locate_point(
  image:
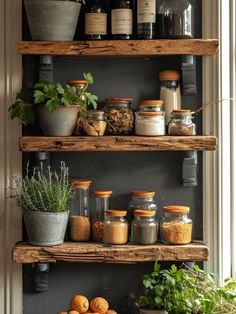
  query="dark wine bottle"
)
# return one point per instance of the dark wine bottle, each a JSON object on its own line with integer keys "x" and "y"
{"x": 95, "y": 20}
{"x": 146, "y": 19}
{"x": 121, "y": 19}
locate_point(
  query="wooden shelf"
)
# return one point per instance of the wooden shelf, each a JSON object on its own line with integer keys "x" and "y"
{"x": 117, "y": 143}
{"x": 121, "y": 48}
{"x": 24, "y": 253}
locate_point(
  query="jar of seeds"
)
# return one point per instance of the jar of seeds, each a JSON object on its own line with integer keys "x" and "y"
{"x": 181, "y": 123}
{"x": 144, "y": 227}
{"x": 101, "y": 203}
{"x": 94, "y": 124}
{"x": 119, "y": 116}
{"x": 115, "y": 227}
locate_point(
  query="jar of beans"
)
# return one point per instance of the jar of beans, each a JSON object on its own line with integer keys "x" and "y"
{"x": 176, "y": 226}
{"x": 181, "y": 123}
{"x": 115, "y": 227}
{"x": 101, "y": 203}
{"x": 119, "y": 116}
{"x": 144, "y": 227}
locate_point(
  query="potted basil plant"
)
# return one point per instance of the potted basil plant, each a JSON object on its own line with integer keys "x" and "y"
{"x": 45, "y": 199}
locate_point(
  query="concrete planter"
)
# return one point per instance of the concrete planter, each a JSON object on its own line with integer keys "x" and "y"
{"x": 45, "y": 229}
{"x": 52, "y": 20}
{"x": 147, "y": 311}
{"x": 58, "y": 123}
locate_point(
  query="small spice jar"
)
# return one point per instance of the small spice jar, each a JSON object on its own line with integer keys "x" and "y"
{"x": 150, "y": 105}
{"x": 119, "y": 116}
{"x": 181, "y": 123}
{"x": 101, "y": 203}
{"x": 95, "y": 124}
{"x": 78, "y": 85}
{"x": 150, "y": 123}
{"x": 79, "y": 214}
{"x": 115, "y": 227}
{"x": 176, "y": 226}
{"x": 144, "y": 227}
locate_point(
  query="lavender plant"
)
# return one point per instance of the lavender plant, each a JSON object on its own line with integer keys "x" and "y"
{"x": 45, "y": 190}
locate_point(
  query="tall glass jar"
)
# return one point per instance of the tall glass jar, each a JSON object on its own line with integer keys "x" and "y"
{"x": 181, "y": 123}
{"x": 150, "y": 123}
{"x": 80, "y": 211}
{"x": 122, "y": 19}
{"x": 176, "y": 226}
{"x": 146, "y": 19}
{"x": 95, "y": 20}
{"x": 150, "y": 105}
{"x": 115, "y": 227}
{"x": 119, "y": 116}
{"x": 144, "y": 227}
{"x": 175, "y": 19}
{"x": 170, "y": 92}
{"x": 101, "y": 203}
{"x": 95, "y": 124}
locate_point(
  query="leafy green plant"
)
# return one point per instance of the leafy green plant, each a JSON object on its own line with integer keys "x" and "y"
{"x": 187, "y": 291}
{"x": 45, "y": 190}
{"x": 52, "y": 96}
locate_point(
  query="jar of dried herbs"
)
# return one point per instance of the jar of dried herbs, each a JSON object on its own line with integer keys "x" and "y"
{"x": 119, "y": 116}
{"x": 100, "y": 204}
{"x": 94, "y": 124}
{"x": 181, "y": 123}
{"x": 144, "y": 227}
{"x": 80, "y": 213}
{"x": 115, "y": 227}
{"x": 176, "y": 226}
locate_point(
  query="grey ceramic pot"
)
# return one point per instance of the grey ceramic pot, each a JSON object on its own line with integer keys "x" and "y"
{"x": 52, "y": 20}
{"x": 146, "y": 311}
{"x": 58, "y": 123}
{"x": 45, "y": 229}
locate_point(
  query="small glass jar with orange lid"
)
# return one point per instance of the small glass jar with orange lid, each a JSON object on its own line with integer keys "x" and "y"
{"x": 80, "y": 211}
{"x": 115, "y": 227}
{"x": 150, "y": 123}
{"x": 181, "y": 123}
{"x": 150, "y": 105}
{"x": 100, "y": 204}
{"x": 78, "y": 86}
{"x": 144, "y": 228}
{"x": 176, "y": 226}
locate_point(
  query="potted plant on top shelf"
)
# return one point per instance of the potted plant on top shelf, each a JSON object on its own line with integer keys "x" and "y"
{"x": 57, "y": 108}
{"x": 52, "y": 20}
{"x": 45, "y": 199}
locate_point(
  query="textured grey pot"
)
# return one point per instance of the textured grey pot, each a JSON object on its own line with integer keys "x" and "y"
{"x": 52, "y": 20}
{"x": 58, "y": 123}
{"x": 146, "y": 311}
{"x": 45, "y": 229}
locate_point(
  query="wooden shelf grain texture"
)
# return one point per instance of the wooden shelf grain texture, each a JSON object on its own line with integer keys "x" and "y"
{"x": 121, "y": 48}
{"x": 117, "y": 143}
{"x": 24, "y": 253}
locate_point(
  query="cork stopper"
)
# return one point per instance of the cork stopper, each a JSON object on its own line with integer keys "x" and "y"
{"x": 169, "y": 75}
{"x": 176, "y": 209}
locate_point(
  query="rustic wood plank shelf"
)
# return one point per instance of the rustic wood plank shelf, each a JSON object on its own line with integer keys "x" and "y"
{"x": 24, "y": 253}
{"x": 121, "y": 48}
{"x": 117, "y": 143}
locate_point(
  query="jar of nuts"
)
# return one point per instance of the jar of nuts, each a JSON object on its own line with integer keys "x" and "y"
{"x": 94, "y": 124}
{"x": 181, "y": 123}
{"x": 119, "y": 116}
{"x": 176, "y": 226}
{"x": 101, "y": 203}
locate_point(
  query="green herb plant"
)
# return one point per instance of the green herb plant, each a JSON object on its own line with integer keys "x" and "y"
{"x": 45, "y": 190}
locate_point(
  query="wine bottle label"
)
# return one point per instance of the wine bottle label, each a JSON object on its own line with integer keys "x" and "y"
{"x": 146, "y": 11}
{"x": 121, "y": 21}
{"x": 95, "y": 23}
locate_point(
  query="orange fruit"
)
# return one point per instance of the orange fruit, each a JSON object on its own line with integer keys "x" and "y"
{"x": 111, "y": 312}
{"x": 79, "y": 303}
{"x": 99, "y": 305}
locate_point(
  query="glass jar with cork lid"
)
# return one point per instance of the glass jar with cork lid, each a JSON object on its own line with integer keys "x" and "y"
{"x": 144, "y": 228}
{"x": 176, "y": 226}
{"x": 115, "y": 227}
{"x": 94, "y": 124}
{"x": 101, "y": 203}
{"x": 181, "y": 123}
{"x": 80, "y": 211}
{"x": 150, "y": 123}
{"x": 150, "y": 105}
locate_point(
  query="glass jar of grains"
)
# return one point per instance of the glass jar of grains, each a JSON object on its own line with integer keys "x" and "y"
{"x": 115, "y": 227}
{"x": 150, "y": 123}
{"x": 94, "y": 124}
{"x": 119, "y": 116}
{"x": 176, "y": 226}
{"x": 144, "y": 227}
{"x": 101, "y": 203}
{"x": 150, "y": 105}
{"x": 79, "y": 214}
{"x": 181, "y": 123}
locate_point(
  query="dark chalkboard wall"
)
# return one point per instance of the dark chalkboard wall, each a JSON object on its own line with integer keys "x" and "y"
{"x": 121, "y": 172}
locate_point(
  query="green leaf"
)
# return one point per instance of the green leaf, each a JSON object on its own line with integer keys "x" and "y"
{"x": 156, "y": 267}
{"x": 60, "y": 89}
{"x": 89, "y": 78}
{"x": 39, "y": 97}
{"x": 52, "y": 105}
